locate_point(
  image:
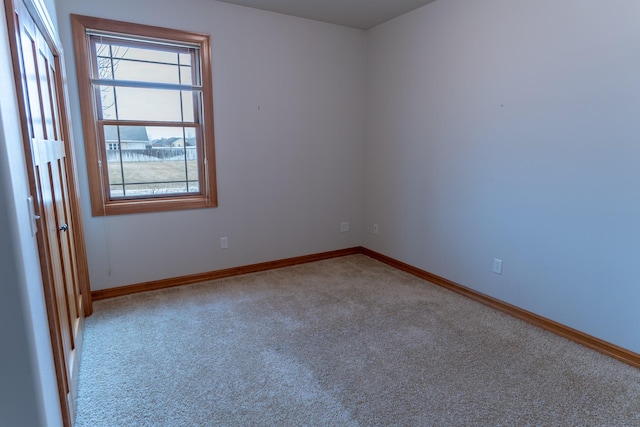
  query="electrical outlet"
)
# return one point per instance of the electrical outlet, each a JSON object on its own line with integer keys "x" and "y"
{"x": 224, "y": 242}
{"x": 497, "y": 266}
{"x": 376, "y": 229}
{"x": 344, "y": 227}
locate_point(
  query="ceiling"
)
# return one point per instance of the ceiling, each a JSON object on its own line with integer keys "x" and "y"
{"x": 363, "y": 14}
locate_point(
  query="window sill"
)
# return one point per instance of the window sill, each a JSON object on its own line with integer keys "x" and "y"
{"x": 128, "y": 206}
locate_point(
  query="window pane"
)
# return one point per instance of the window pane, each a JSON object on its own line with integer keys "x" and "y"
{"x": 152, "y": 72}
{"x": 152, "y": 54}
{"x": 143, "y": 51}
{"x": 104, "y": 63}
{"x": 107, "y": 101}
{"x": 151, "y": 161}
{"x": 185, "y": 75}
{"x": 187, "y": 107}
{"x": 154, "y": 65}
{"x": 147, "y": 104}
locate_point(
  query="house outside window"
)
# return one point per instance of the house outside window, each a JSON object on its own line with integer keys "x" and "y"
{"x": 146, "y": 98}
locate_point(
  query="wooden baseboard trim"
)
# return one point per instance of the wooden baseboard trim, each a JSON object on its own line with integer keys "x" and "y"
{"x": 218, "y": 274}
{"x": 592, "y": 342}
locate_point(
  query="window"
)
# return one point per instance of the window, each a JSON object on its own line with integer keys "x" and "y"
{"x": 147, "y": 112}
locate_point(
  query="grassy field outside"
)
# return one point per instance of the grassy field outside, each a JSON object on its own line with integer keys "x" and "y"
{"x": 153, "y": 177}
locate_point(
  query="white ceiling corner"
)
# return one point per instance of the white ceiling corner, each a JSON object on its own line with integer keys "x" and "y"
{"x": 362, "y": 14}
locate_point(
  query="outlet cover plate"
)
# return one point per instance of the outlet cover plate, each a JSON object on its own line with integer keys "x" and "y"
{"x": 497, "y": 265}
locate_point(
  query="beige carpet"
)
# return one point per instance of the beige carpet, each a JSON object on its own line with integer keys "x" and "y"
{"x": 341, "y": 342}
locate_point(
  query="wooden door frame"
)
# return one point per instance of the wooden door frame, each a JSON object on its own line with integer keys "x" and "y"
{"x": 39, "y": 14}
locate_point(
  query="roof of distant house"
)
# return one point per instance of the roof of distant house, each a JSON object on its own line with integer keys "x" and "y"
{"x": 127, "y": 133}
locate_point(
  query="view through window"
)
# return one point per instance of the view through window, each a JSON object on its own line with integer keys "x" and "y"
{"x": 151, "y": 84}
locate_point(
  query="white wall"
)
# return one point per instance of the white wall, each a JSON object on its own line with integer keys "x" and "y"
{"x": 289, "y": 113}
{"x": 28, "y": 388}
{"x": 510, "y": 129}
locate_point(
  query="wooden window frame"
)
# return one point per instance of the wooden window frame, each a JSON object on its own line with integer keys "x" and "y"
{"x": 102, "y": 204}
